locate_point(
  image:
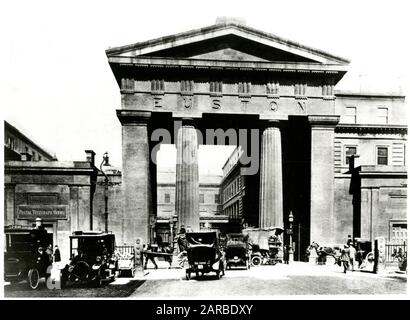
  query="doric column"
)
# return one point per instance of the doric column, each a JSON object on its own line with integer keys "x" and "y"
{"x": 187, "y": 181}
{"x": 271, "y": 197}
{"x": 322, "y": 179}
{"x": 137, "y": 207}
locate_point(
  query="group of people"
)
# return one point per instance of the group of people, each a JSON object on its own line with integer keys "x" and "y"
{"x": 47, "y": 256}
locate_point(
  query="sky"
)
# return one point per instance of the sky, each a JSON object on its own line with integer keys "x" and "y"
{"x": 56, "y": 85}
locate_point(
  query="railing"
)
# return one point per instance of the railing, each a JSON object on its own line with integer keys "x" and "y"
{"x": 392, "y": 250}
{"x": 125, "y": 249}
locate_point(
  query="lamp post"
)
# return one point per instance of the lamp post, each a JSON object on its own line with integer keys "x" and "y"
{"x": 290, "y": 237}
{"x": 106, "y": 183}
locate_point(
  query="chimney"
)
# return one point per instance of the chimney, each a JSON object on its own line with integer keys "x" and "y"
{"x": 25, "y": 156}
{"x": 90, "y": 156}
{"x": 227, "y": 20}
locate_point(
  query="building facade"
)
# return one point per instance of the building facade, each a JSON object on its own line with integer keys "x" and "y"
{"x": 18, "y": 146}
{"x": 210, "y": 213}
{"x": 232, "y": 77}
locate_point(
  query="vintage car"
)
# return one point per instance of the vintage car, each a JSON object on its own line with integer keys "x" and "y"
{"x": 267, "y": 245}
{"x": 237, "y": 252}
{"x": 22, "y": 258}
{"x": 204, "y": 254}
{"x": 93, "y": 261}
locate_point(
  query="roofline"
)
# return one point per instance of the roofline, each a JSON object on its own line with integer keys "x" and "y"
{"x": 387, "y": 95}
{"x": 221, "y": 26}
{"x": 7, "y": 125}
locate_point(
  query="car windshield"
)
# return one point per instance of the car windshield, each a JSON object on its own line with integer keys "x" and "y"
{"x": 20, "y": 242}
{"x": 207, "y": 238}
{"x": 92, "y": 246}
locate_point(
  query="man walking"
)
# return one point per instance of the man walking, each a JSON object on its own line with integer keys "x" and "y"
{"x": 352, "y": 255}
{"x": 345, "y": 258}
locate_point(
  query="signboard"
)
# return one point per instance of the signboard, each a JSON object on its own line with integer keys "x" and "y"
{"x": 45, "y": 212}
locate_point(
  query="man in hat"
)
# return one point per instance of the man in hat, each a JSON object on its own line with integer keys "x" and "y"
{"x": 345, "y": 258}
{"x": 182, "y": 245}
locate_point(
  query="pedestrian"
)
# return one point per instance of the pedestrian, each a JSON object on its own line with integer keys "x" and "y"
{"x": 286, "y": 254}
{"x": 57, "y": 255}
{"x": 49, "y": 252}
{"x": 349, "y": 240}
{"x": 150, "y": 256}
{"x": 352, "y": 255}
{"x": 182, "y": 245}
{"x": 345, "y": 258}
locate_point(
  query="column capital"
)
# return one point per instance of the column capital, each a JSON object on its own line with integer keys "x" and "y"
{"x": 272, "y": 123}
{"x": 133, "y": 117}
{"x": 329, "y": 121}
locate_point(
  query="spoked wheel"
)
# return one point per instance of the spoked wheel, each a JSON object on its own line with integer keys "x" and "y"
{"x": 188, "y": 275}
{"x": 256, "y": 261}
{"x": 33, "y": 278}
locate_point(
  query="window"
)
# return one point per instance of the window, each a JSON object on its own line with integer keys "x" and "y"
{"x": 167, "y": 198}
{"x": 34, "y": 156}
{"x": 382, "y": 115}
{"x": 350, "y": 115}
{"x": 398, "y": 233}
{"x": 201, "y": 198}
{"x": 349, "y": 151}
{"x": 40, "y": 158}
{"x": 216, "y": 198}
{"x": 382, "y": 155}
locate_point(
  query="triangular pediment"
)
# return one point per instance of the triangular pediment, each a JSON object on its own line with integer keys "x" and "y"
{"x": 227, "y": 42}
{"x": 229, "y": 54}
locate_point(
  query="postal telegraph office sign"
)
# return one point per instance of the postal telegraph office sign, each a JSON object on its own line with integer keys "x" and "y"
{"x": 45, "y": 212}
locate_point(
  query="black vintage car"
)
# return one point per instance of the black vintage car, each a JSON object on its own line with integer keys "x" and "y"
{"x": 93, "y": 261}
{"x": 25, "y": 257}
{"x": 204, "y": 254}
{"x": 237, "y": 250}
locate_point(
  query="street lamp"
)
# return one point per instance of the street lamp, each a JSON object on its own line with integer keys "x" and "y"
{"x": 106, "y": 183}
{"x": 290, "y": 236}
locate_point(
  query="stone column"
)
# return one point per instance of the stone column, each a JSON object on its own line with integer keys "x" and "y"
{"x": 137, "y": 207}
{"x": 187, "y": 181}
{"x": 271, "y": 197}
{"x": 322, "y": 179}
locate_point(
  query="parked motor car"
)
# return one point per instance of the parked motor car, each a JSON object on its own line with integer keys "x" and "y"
{"x": 204, "y": 254}
{"x": 93, "y": 261}
{"x": 25, "y": 256}
{"x": 237, "y": 250}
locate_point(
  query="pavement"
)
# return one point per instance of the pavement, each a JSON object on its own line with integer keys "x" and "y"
{"x": 295, "y": 279}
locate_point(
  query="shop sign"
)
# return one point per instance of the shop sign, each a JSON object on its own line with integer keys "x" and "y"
{"x": 45, "y": 212}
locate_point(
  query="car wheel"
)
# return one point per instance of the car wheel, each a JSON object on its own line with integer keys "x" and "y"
{"x": 132, "y": 273}
{"x": 33, "y": 278}
{"x": 256, "y": 261}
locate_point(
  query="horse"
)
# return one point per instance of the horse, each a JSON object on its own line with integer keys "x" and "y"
{"x": 322, "y": 252}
